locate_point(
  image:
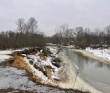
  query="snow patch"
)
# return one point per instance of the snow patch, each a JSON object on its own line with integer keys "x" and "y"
{"x": 11, "y": 77}
{"x": 102, "y": 53}
{"x": 42, "y": 64}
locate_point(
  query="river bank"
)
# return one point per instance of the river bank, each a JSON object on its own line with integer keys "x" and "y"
{"x": 91, "y": 71}
{"x": 74, "y": 81}
{"x": 66, "y": 74}
{"x": 41, "y": 80}
{"x": 89, "y": 54}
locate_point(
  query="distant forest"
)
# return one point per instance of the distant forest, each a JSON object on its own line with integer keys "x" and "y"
{"x": 26, "y": 35}
{"x": 81, "y": 37}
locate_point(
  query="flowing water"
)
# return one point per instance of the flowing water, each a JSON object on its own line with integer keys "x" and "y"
{"x": 90, "y": 70}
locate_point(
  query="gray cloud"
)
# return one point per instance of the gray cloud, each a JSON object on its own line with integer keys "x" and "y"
{"x": 50, "y": 13}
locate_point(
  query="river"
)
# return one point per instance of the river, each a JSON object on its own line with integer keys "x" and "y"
{"x": 92, "y": 71}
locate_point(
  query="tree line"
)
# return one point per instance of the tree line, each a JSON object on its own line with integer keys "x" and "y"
{"x": 81, "y": 37}
{"x": 27, "y": 34}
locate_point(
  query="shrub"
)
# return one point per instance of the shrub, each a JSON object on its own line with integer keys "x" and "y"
{"x": 46, "y": 52}
{"x": 56, "y": 62}
{"x": 31, "y": 62}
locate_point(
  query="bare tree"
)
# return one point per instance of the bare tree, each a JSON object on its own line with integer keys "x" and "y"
{"x": 107, "y": 31}
{"x": 60, "y": 32}
{"x": 32, "y": 25}
{"x": 20, "y": 24}
{"x": 21, "y": 39}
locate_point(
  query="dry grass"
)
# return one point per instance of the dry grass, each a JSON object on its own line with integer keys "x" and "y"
{"x": 20, "y": 63}
{"x": 42, "y": 56}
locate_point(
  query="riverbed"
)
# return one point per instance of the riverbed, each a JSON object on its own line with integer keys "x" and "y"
{"x": 92, "y": 75}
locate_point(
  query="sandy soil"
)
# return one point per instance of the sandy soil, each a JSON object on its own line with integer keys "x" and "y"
{"x": 88, "y": 54}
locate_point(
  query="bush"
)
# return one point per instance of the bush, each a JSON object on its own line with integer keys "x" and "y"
{"x": 32, "y": 50}
{"x": 56, "y": 62}
{"x": 46, "y": 52}
{"x": 31, "y": 62}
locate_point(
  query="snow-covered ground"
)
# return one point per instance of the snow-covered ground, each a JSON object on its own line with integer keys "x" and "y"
{"x": 101, "y": 53}
{"x": 37, "y": 62}
{"x": 4, "y": 55}
{"x": 53, "y": 49}
{"x": 5, "y": 52}
{"x": 14, "y": 78}
{"x": 11, "y": 77}
{"x": 42, "y": 64}
{"x": 36, "y": 59}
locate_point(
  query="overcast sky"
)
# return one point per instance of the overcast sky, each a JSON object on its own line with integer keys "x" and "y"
{"x": 51, "y": 13}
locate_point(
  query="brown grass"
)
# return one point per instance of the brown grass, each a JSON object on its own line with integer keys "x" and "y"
{"x": 42, "y": 56}
{"x": 20, "y": 63}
